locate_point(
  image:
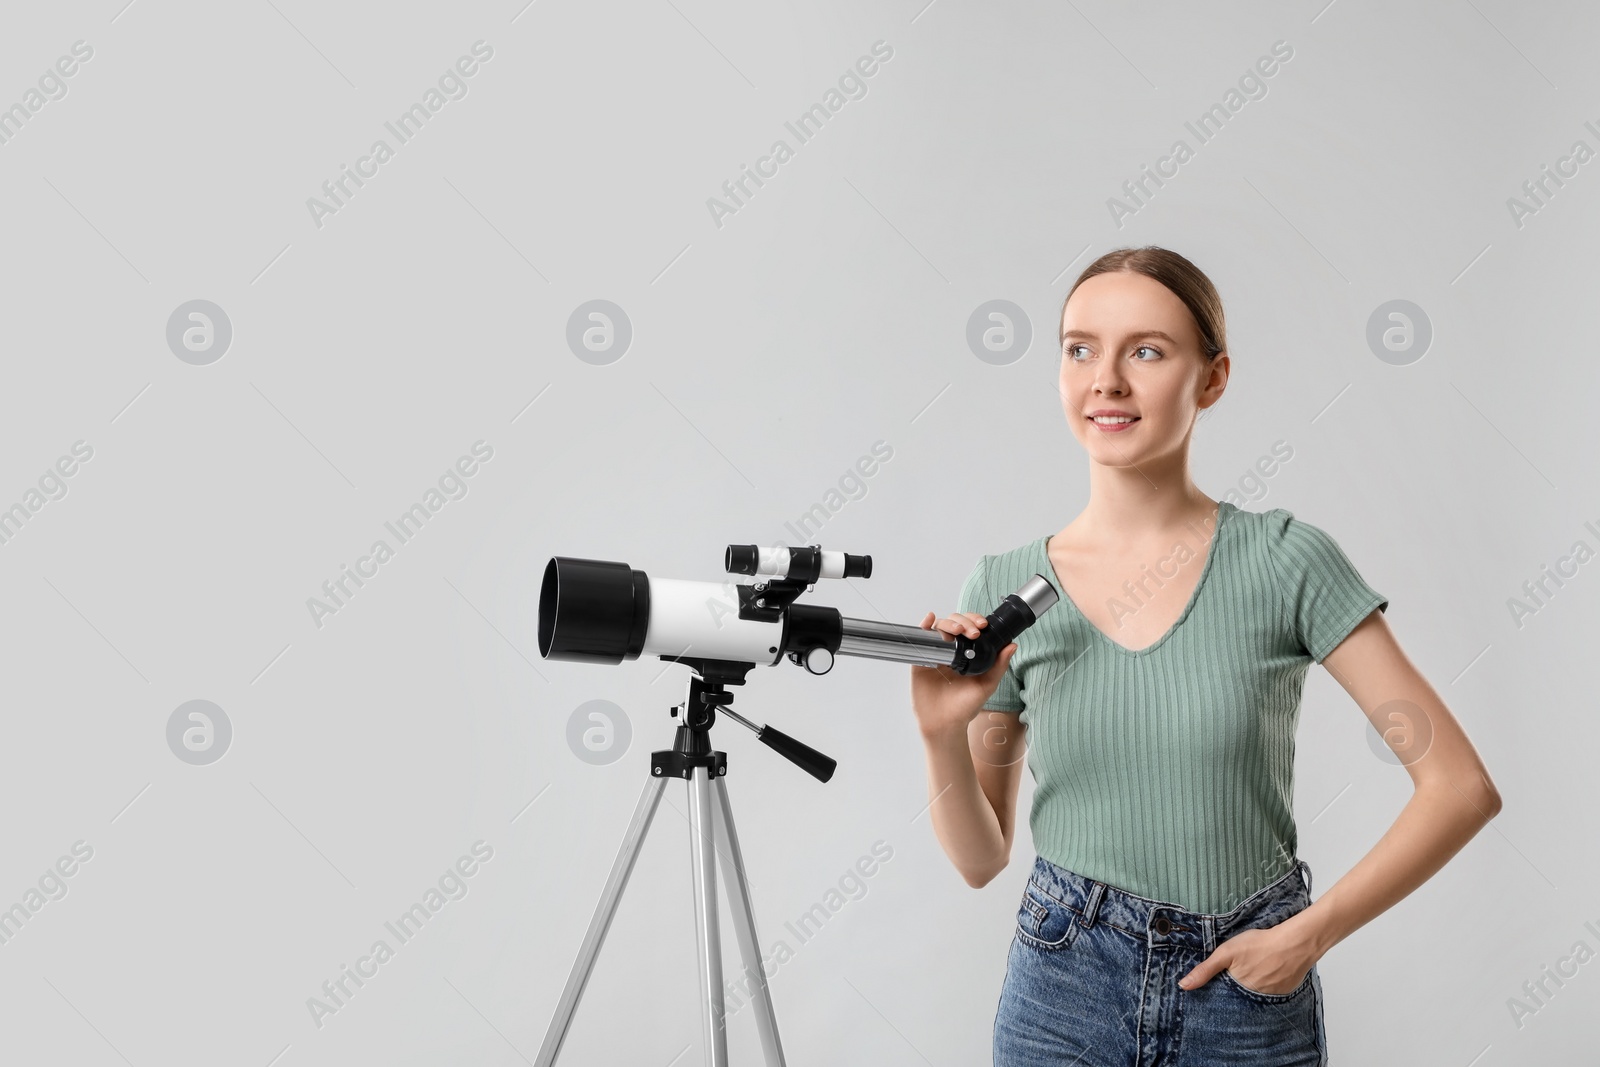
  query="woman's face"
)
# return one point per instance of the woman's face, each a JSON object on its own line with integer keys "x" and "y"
{"x": 1131, "y": 346}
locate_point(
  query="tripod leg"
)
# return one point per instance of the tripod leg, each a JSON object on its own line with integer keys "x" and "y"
{"x": 744, "y": 923}
{"x": 603, "y": 914}
{"x": 703, "y": 858}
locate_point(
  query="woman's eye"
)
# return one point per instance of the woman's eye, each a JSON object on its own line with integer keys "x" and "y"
{"x": 1071, "y": 352}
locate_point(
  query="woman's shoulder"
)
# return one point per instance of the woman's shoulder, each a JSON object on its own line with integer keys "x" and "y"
{"x": 1278, "y": 530}
{"x": 1017, "y": 561}
{"x": 1269, "y": 519}
{"x": 1293, "y": 550}
{"x": 994, "y": 574}
{"x": 1269, "y": 530}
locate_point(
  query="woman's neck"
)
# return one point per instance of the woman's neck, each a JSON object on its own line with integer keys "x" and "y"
{"x": 1130, "y": 505}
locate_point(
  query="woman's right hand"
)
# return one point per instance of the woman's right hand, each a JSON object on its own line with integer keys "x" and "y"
{"x": 944, "y": 700}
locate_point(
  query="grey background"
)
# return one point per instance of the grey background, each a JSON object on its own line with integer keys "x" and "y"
{"x": 768, "y": 355}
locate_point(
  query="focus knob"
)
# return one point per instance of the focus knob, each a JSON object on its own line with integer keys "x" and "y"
{"x": 819, "y": 660}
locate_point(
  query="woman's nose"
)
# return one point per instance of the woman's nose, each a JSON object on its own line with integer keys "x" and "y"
{"x": 1108, "y": 382}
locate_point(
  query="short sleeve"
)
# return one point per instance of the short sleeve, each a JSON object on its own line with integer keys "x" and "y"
{"x": 976, "y": 597}
{"x": 1322, "y": 594}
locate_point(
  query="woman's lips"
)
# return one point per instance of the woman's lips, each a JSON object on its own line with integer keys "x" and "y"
{"x": 1113, "y": 427}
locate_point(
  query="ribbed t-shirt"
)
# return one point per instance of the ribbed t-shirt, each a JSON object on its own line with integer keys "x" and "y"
{"x": 1168, "y": 771}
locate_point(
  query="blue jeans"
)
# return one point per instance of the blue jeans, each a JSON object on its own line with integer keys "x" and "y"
{"x": 1092, "y": 981}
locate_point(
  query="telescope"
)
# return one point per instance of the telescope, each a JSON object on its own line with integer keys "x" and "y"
{"x": 603, "y": 612}
{"x": 599, "y": 611}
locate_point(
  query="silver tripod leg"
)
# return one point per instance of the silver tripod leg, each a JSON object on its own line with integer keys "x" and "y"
{"x": 703, "y": 860}
{"x": 711, "y": 832}
{"x": 744, "y": 923}
{"x": 603, "y": 914}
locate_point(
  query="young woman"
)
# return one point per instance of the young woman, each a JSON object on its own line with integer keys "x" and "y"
{"x": 1167, "y": 918}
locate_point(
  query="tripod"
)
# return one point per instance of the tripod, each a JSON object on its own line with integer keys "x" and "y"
{"x": 711, "y": 834}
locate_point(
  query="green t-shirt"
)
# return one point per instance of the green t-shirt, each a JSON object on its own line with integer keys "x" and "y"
{"x": 1168, "y": 771}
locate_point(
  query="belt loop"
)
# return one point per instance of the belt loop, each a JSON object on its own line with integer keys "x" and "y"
{"x": 1208, "y": 934}
{"x": 1097, "y": 892}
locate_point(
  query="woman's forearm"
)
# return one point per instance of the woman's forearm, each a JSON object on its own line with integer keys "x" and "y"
{"x": 1435, "y": 824}
{"x": 963, "y": 819}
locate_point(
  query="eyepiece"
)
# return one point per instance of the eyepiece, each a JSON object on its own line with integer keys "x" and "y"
{"x": 857, "y": 566}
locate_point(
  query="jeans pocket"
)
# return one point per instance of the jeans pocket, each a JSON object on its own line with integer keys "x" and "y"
{"x": 1269, "y": 998}
{"x": 1271, "y": 913}
{"x": 1044, "y": 922}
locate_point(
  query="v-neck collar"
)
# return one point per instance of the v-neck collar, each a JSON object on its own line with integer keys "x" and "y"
{"x": 1049, "y": 571}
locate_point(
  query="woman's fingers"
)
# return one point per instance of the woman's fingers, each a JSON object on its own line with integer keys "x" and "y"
{"x": 930, "y": 621}
{"x": 960, "y": 622}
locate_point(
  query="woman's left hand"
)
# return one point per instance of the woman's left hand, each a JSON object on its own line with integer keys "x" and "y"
{"x": 1272, "y": 961}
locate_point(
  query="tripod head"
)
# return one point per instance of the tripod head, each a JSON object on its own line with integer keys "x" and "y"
{"x": 708, "y": 694}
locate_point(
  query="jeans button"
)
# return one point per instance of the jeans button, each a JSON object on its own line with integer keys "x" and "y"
{"x": 1162, "y": 925}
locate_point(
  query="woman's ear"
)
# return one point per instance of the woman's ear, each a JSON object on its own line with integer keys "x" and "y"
{"x": 1216, "y": 381}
